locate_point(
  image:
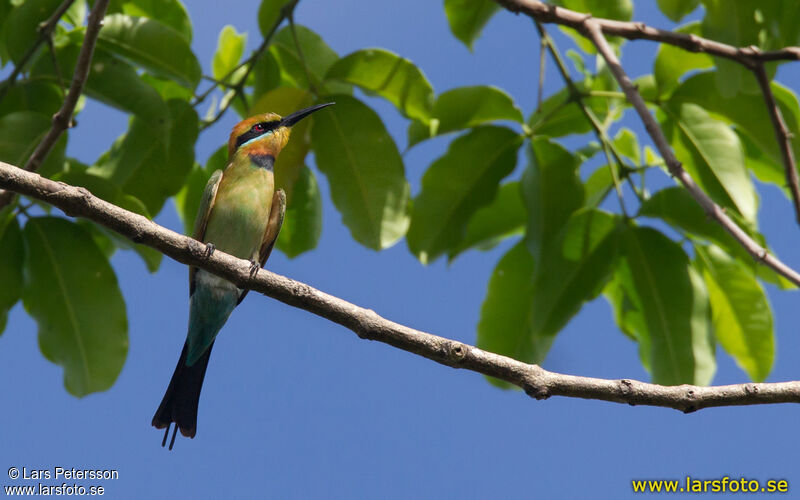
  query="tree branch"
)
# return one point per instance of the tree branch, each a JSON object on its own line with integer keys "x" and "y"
{"x": 537, "y": 382}
{"x": 751, "y": 57}
{"x": 593, "y": 30}
{"x": 748, "y": 56}
{"x": 250, "y": 62}
{"x": 45, "y": 34}
{"x": 63, "y": 118}
{"x": 599, "y": 130}
{"x": 782, "y": 134}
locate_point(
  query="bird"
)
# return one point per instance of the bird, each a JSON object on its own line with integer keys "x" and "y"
{"x": 241, "y": 214}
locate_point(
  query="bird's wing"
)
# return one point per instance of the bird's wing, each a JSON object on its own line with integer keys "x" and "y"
{"x": 203, "y": 214}
{"x": 276, "y": 213}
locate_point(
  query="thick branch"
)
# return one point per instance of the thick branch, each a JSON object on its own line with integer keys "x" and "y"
{"x": 782, "y": 134}
{"x": 63, "y": 118}
{"x": 536, "y": 382}
{"x": 548, "y": 13}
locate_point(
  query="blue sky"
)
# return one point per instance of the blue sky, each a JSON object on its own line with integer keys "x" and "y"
{"x": 296, "y": 407}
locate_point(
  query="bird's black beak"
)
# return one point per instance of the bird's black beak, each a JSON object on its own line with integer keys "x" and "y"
{"x": 288, "y": 121}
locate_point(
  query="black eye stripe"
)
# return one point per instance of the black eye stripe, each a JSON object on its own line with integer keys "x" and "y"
{"x": 253, "y": 133}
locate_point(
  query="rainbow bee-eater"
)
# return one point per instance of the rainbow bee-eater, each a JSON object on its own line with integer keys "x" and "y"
{"x": 240, "y": 213}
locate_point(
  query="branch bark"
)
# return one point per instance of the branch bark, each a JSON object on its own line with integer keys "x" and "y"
{"x": 549, "y": 13}
{"x": 782, "y": 134}
{"x": 537, "y": 382}
{"x": 63, "y": 117}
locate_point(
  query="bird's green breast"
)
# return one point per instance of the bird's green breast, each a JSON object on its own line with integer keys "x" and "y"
{"x": 241, "y": 209}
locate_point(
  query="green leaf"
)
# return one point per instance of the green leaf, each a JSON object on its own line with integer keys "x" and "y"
{"x": 597, "y": 186}
{"x": 167, "y": 89}
{"x": 150, "y": 166}
{"x": 748, "y": 113}
{"x": 21, "y": 132}
{"x": 761, "y": 164}
{"x": 677, "y": 9}
{"x": 676, "y": 206}
{"x": 737, "y": 24}
{"x": 503, "y": 217}
{"x": 269, "y": 13}
{"x": 468, "y": 17}
{"x": 456, "y": 185}
{"x": 72, "y": 293}
{"x": 674, "y": 303}
{"x": 12, "y": 256}
{"x": 552, "y": 192}
{"x": 364, "y": 170}
{"x": 266, "y": 74}
{"x": 713, "y": 156}
{"x": 76, "y": 13}
{"x": 169, "y": 12}
{"x": 628, "y": 312}
{"x": 317, "y": 58}
{"x": 462, "y": 108}
{"x": 673, "y": 62}
{"x": 506, "y": 313}
{"x": 390, "y": 76}
{"x": 230, "y": 47}
{"x": 626, "y": 143}
{"x": 739, "y": 310}
{"x": 302, "y": 226}
{"x": 38, "y": 96}
{"x": 104, "y": 189}
{"x": 20, "y": 26}
{"x": 560, "y": 114}
{"x": 575, "y": 267}
{"x": 152, "y": 45}
{"x": 111, "y": 81}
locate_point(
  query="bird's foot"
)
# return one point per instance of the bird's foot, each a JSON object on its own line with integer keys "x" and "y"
{"x": 210, "y": 250}
{"x": 254, "y": 267}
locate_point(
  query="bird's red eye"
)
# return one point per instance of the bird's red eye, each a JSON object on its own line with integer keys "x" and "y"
{"x": 258, "y": 127}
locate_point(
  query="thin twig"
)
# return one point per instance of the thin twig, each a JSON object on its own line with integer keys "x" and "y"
{"x": 249, "y": 63}
{"x": 45, "y": 33}
{"x": 542, "y": 66}
{"x": 593, "y": 30}
{"x": 599, "y": 129}
{"x": 537, "y": 382}
{"x": 57, "y": 67}
{"x": 63, "y": 117}
{"x": 548, "y": 13}
{"x": 302, "y": 57}
{"x": 782, "y": 134}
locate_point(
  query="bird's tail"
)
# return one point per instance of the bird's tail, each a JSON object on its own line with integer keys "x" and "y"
{"x": 179, "y": 404}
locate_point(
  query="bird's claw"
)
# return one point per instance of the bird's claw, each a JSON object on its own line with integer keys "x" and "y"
{"x": 254, "y": 267}
{"x": 210, "y": 250}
